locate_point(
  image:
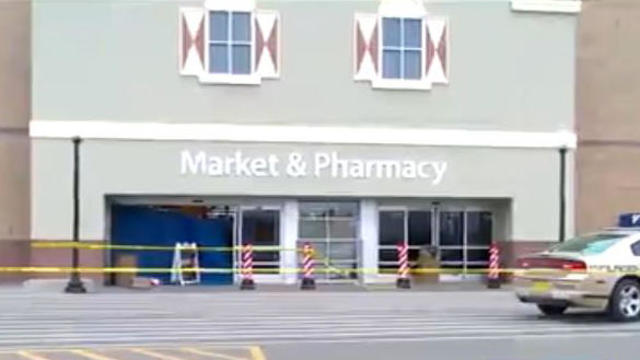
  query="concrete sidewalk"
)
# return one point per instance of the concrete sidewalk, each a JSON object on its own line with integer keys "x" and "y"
{"x": 57, "y": 285}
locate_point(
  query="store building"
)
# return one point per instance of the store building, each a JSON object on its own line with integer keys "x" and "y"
{"x": 608, "y": 86}
{"x": 14, "y": 135}
{"x": 352, "y": 125}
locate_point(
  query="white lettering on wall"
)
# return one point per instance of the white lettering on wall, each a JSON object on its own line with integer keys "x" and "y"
{"x": 322, "y": 162}
{"x": 328, "y": 164}
{"x": 191, "y": 164}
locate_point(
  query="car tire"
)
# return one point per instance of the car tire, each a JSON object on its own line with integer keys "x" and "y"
{"x": 624, "y": 304}
{"x": 552, "y": 310}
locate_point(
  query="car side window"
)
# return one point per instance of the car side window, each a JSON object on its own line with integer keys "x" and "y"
{"x": 635, "y": 248}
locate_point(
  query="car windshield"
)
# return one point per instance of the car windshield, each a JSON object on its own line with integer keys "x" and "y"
{"x": 589, "y": 244}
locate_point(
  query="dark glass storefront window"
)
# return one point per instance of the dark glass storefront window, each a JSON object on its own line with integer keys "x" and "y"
{"x": 451, "y": 228}
{"x": 478, "y": 228}
{"x": 391, "y": 232}
{"x": 262, "y": 228}
{"x": 463, "y": 237}
{"x": 419, "y": 228}
{"x": 399, "y": 226}
{"x": 391, "y": 225}
{"x": 449, "y": 255}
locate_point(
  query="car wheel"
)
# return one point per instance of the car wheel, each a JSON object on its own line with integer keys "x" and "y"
{"x": 624, "y": 304}
{"x": 552, "y": 309}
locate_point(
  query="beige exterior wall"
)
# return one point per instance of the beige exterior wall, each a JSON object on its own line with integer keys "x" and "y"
{"x": 608, "y": 112}
{"x": 15, "y": 60}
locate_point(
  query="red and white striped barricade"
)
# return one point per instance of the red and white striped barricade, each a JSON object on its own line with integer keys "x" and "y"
{"x": 308, "y": 282}
{"x": 493, "y": 275}
{"x": 403, "y": 281}
{"x": 247, "y": 268}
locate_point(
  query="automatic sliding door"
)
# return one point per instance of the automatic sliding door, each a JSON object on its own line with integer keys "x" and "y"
{"x": 331, "y": 228}
{"x": 409, "y": 227}
{"x": 451, "y": 233}
{"x": 419, "y": 232}
{"x": 479, "y": 235}
{"x": 464, "y": 239}
{"x": 261, "y": 228}
{"x": 391, "y": 225}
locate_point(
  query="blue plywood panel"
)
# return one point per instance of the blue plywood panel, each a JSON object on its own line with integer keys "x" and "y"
{"x": 145, "y": 226}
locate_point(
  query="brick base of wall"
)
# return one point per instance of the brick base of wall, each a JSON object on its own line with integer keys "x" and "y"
{"x": 14, "y": 253}
{"x": 47, "y": 257}
{"x": 511, "y": 250}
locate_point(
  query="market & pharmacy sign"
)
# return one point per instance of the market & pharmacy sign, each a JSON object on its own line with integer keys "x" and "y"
{"x": 319, "y": 164}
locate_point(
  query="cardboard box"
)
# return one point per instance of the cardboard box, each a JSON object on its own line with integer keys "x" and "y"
{"x": 125, "y": 279}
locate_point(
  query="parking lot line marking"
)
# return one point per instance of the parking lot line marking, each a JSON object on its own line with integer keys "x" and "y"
{"x": 153, "y": 354}
{"x": 31, "y": 356}
{"x": 90, "y": 355}
{"x": 256, "y": 353}
{"x": 212, "y": 354}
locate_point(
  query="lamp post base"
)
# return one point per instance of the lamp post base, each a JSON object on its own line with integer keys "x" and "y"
{"x": 308, "y": 284}
{"x": 403, "y": 283}
{"x": 75, "y": 286}
{"x": 247, "y": 284}
{"x": 493, "y": 284}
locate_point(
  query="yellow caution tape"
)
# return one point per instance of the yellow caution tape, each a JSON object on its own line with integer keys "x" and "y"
{"x": 328, "y": 270}
{"x": 93, "y": 246}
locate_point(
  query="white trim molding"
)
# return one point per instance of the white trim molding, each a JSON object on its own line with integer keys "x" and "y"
{"x": 402, "y": 8}
{"x": 113, "y": 130}
{"x": 230, "y": 5}
{"x": 551, "y": 6}
{"x": 400, "y": 84}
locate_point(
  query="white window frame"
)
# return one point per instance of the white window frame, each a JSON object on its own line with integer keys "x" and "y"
{"x": 404, "y": 84}
{"x": 404, "y": 9}
{"x": 230, "y": 6}
{"x": 402, "y": 48}
{"x": 230, "y": 43}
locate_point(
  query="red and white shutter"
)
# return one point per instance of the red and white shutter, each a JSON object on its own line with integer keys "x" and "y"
{"x": 437, "y": 50}
{"x": 366, "y": 64}
{"x": 191, "y": 41}
{"x": 267, "y": 44}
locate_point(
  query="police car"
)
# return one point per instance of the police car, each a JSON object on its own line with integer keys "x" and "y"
{"x": 599, "y": 270}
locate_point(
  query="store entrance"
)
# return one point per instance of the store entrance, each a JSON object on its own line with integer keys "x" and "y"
{"x": 144, "y": 237}
{"x": 460, "y": 238}
{"x": 260, "y": 227}
{"x": 464, "y": 238}
{"x": 332, "y": 229}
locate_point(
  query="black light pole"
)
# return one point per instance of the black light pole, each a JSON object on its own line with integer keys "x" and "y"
{"x": 563, "y": 160}
{"x": 75, "y": 285}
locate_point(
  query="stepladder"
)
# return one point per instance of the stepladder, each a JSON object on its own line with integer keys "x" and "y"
{"x": 186, "y": 266}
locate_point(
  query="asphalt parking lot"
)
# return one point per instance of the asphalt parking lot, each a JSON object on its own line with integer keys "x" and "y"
{"x": 292, "y": 325}
{"x": 139, "y": 353}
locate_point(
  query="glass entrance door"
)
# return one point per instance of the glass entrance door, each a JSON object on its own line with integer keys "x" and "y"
{"x": 464, "y": 238}
{"x": 332, "y": 229}
{"x": 479, "y": 232}
{"x": 261, "y": 228}
{"x": 451, "y": 239}
{"x": 408, "y": 226}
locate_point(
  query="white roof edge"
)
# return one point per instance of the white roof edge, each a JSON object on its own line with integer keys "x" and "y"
{"x": 550, "y": 6}
{"x": 300, "y": 134}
